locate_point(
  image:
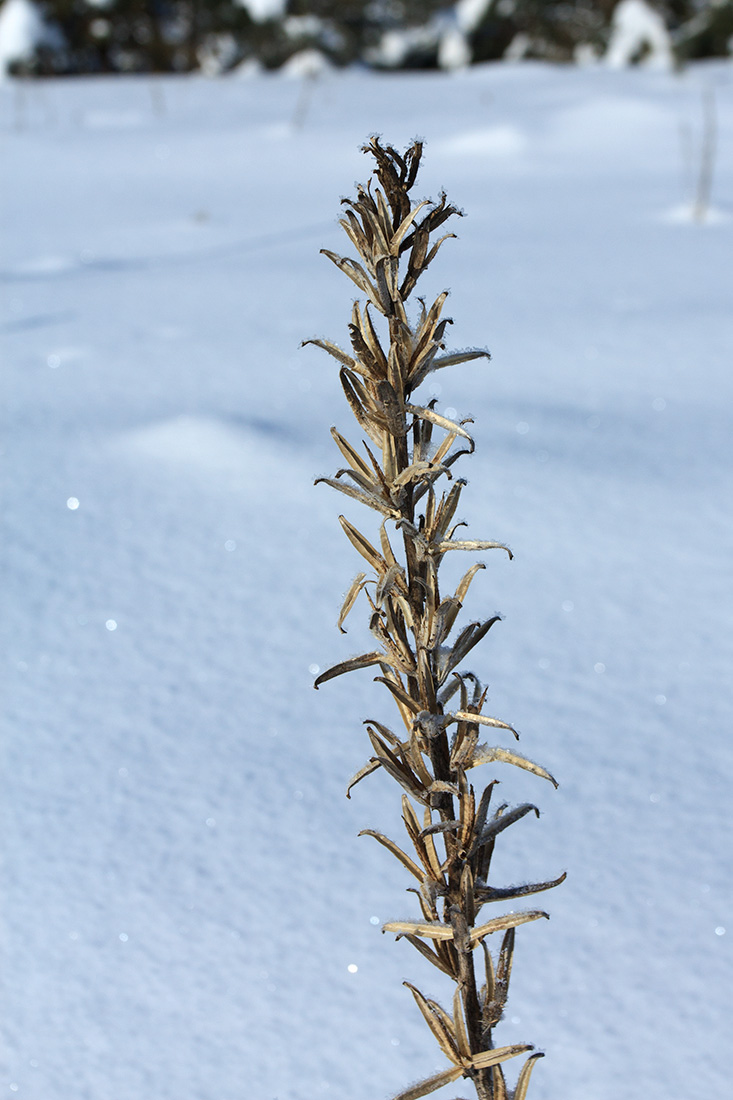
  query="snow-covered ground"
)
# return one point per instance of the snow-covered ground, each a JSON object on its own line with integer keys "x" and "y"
{"x": 188, "y": 914}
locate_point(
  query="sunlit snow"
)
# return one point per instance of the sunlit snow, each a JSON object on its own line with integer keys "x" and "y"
{"x": 184, "y": 891}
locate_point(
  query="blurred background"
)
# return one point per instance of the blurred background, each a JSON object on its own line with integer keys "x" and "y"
{"x": 47, "y": 37}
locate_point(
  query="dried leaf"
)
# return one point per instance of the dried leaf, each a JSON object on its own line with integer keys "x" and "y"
{"x": 469, "y": 637}
{"x": 461, "y": 357}
{"x": 440, "y": 786}
{"x": 483, "y": 719}
{"x": 490, "y": 974}
{"x": 434, "y": 250}
{"x": 440, "y": 421}
{"x": 443, "y": 449}
{"x": 468, "y": 544}
{"x": 430, "y": 1084}
{"x": 400, "y": 694}
{"x": 399, "y": 854}
{"x": 365, "y": 422}
{"x": 370, "y": 335}
{"x": 363, "y": 545}
{"x": 503, "y": 821}
{"x": 431, "y": 956}
{"x": 511, "y": 920}
{"x": 468, "y": 894}
{"x": 463, "y": 587}
{"x": 387, "y": 582}
{"x": 354, "y": 232}
{"x": 356, "y": 273}
{"x": 431, "y": 860}
{"x": 500, "y": 1054}
{"x": 387, "y": 550}
{"x": 510, "y": 892}
{"x": 385, "y": 732}
{"x": 506, "y": 958}
{"x": 391, "y": 408}
{"x": 410, "y": 818}
{"x": 483, "y": 808}
{"x": 443, "y": 620}
{"x": 448, "y": 509}
{"x": 497, "y": 1079}
{"x": 364, "y": 363}
{"x": 419, "y": 470}
{"x": 520, "y": 1090}
{"x": 396, "y": 768}
{"x": 332, "y": 349}
{"x": 351, "y": 665}
{"x": 483, "y": 754}
{"x": 385, "y": 286}
{"x": 355, "y": 588}
{"x": 459, "y": 1027}
{"x": 404, "y": 228}
{"x": 362, "y": 774}
{"x": 368, "y": 499}
{"x": 436, "y": 1024}
{"x": 441, "y": 827}
{"x": 350, "y": 454}
{"x": 431, "y": 931}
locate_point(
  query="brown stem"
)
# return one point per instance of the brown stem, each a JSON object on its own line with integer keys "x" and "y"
{"x": 469, "y": 995}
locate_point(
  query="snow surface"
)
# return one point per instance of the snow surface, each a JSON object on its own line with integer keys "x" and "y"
{"x": 188, "y": 913}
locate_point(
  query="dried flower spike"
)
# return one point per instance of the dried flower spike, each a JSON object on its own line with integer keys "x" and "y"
{"x": 407, "y": 449}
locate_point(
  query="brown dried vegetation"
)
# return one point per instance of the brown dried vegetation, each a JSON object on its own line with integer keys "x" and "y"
{"x": 453, "y": 838}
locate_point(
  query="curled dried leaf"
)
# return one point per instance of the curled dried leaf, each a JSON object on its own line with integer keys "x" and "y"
{"x": 351, "y": 665}
{"x": 440, "y": 421}
{"x": 520, "y": 1091}
{"x": 507, "y": 893}
{"x": 463, "y": 587}
{"x": 484, "y": 754}
{"x": 468, "y": 544}
{"x": 369, "y": 499}
{"x": 362, "y": 774}
{"x": 484, "y": 719}
{"x": 332, "y": 349}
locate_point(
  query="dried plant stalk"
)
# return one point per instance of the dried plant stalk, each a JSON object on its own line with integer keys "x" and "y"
{"x": 452, "y": 839}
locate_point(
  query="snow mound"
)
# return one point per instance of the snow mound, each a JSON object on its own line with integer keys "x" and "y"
{"x": 40, "y": 266}
{"x": 493, "y": 141}
{"x": 688, "y": 213}
{"x": 638, "y": 33}
{"x": 607, "y": 125}
{"x": 194, "y": 441}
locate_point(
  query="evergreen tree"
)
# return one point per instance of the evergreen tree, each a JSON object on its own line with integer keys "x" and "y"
{"x": 184, "y": 35}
